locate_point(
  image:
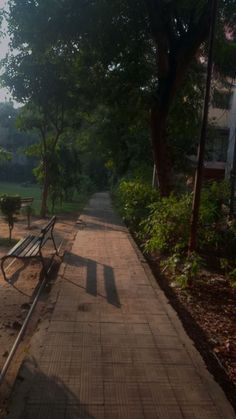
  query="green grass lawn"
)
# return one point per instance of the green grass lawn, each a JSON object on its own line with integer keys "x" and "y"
{"x": 35, "y": 192}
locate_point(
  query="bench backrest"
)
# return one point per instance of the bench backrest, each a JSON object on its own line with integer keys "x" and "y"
{"x": 49, "y": 226}
{"x": 26, "y": 200}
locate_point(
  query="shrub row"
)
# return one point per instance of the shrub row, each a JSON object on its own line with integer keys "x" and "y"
{"x": 163, "y": 224}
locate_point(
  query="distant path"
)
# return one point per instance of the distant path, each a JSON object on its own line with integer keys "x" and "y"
{"x": 113, "y": 348}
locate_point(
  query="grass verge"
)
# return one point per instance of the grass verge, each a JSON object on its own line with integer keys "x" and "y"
{"x": 34, "y": 191}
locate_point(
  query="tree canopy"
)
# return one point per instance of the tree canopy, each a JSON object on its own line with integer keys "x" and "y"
{"x": 138, "y": 66}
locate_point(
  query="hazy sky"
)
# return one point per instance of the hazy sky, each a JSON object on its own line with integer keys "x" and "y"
{"x": 4, "y": 41}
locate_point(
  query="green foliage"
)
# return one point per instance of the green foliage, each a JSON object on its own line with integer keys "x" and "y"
{"x": 184, "y": 269}
{"x": 120, "y": 148}
{"x": 228, "y": 267}
{"x": 215, "y": 232}
{"x": 185, "y": 117}
{"x": 86, "y": 186}
{"x": 191, "y": 268}
{"x": 225, "y": 264}
{"x": 171, "y": 263}
{"x": 134, "y": 198}
{"x": 167, "y": 227}
{"x": 14, "y": 165}
{"x": 32, "y": 190}
{"x": 213, "y": 195}
{"x": 163, "y": 225}
{"x": 225, "y": 59}
{"x": 4, "y": 154}
{"x": 10, "y": 206}
{"x": 50, "y": 126}
{"x": 232, "y": 277}
{"x": 43, "y": 76}
{"x": 64, "y": 170}
{"x": 101, "y": 57}
{"x": 80, "y": 197}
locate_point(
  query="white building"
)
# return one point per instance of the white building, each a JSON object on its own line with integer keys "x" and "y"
{"x": 232, "y": 136}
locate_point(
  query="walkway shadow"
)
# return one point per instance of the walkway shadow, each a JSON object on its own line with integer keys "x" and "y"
{"x": 91, "y": 279}
{"x": 112, "y": 296}
{"x": 74, "y": 260}
{"x": 105, "y": 217}
{"x": 14, "y": 277}
{"x": 110, "y": 285}
{"x": 99, "y": 226}
{"x": 36, "y": 395}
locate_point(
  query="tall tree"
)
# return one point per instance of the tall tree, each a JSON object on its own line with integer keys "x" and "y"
{"x": 149, "y": 47}
{"x": 39, "y": 74}
{"x": 140, "y": 52}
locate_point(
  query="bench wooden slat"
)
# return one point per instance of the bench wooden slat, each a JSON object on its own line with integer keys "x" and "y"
{"x": 28, "y": 249}
{"x": 34, "y": 249}
{"x": 20, "y": 246}
{"x": 31, "y": 246}
{"x": 27, "y": 200}
{"x": 24, "y": 245}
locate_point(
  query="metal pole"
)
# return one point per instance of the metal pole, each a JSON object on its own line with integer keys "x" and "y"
{"x": 21, "y": 333}
{"x": 26, "y": 321}
{"x": 201, "y": 149}
{"x": 154, "y": 176}
{"x": 232, "y": 181}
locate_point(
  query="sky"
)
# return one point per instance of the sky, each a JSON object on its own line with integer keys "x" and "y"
{"x": 4, "y": 47}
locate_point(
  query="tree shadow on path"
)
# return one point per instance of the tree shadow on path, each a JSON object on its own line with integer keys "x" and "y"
{"x": 38, "y": 394}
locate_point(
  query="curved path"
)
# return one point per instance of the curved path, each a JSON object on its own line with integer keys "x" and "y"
{"x": 113, "y": 348}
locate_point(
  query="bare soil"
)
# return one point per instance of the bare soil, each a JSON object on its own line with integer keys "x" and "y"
{"x": 208, "y": 313}
{"x": 15, "y": 299}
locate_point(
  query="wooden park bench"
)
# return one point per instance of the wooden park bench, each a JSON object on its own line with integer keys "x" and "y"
{"x": 31, "y": 247}
{"x": 26, "y": 203}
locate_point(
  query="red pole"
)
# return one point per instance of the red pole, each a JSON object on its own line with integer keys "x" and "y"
{"x": 201, "y": 148}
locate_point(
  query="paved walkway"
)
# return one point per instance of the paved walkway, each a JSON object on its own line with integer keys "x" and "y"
{"x": 113, "y": 347}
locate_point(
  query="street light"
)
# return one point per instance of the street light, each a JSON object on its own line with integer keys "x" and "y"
{"x": 201, "y": 148}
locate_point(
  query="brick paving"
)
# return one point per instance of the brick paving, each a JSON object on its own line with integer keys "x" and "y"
{"x": 113, "y": 347}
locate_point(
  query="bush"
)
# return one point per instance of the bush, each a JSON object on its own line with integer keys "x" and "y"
{"x": 163, "y": 224}
{"x": 10, "y": 206}
{"x": 190, "y": 270}
{"x": 184, "y": 269}
{"x": 133, "y": 199}
{"x": 215, "y": 232}
{"x": 167, "y": 227}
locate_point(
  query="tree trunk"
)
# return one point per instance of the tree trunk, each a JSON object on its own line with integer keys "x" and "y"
{"x": 43, "y": 211}
{"x": 28, "y": 218}
{"x": 160, "y": 148}
{"x": 53, "y": 204}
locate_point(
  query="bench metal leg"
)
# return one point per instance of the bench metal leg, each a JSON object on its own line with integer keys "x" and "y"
{"x": 54, "y": 244}
{"x": 43, "y": 263}
{"x": 2, "y": 268}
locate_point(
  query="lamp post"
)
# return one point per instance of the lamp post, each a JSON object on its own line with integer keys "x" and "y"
{"x": 232, "y": 181}
{"x": 201, "y": 148}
